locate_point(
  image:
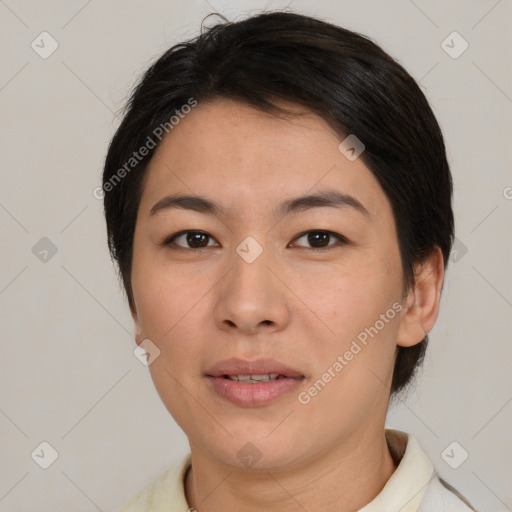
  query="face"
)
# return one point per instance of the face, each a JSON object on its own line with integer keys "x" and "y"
{"x": 256, "y": 279}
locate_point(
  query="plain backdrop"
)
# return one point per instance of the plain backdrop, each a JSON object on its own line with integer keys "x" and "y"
{"x": 68, "y": 373}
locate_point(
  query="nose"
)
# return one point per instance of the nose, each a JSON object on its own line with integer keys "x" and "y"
{"x": 251, "y": 299}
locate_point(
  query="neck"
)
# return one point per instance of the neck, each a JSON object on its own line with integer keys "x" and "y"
{"x": 345, "y": 478}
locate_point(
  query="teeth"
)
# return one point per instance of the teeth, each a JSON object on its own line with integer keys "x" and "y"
{"x": 267, "y": 377}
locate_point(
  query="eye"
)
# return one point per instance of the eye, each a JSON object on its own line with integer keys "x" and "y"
{"x": 319, "y": 239}
{"x": 191, "y": 239}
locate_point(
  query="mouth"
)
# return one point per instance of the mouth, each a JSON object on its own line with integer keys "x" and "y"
{"x": 255, "y": 378}
{"x": 252, "y": 383}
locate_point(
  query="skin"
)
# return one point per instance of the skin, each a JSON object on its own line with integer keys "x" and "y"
{"x": 299, "y": 306}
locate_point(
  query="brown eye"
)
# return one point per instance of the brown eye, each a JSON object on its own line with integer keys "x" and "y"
{"x": 189, "y": 240}
{"x": 320, "y": 239}
{"x": 197, "y": 239}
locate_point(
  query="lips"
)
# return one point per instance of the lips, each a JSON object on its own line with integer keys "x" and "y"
{"x": 235, "y": 366}
{"x": 255, "y": 378}
{"x": 252, "y": 383}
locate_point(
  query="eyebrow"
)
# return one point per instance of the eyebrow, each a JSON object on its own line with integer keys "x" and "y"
{"x": 325, "y": 198}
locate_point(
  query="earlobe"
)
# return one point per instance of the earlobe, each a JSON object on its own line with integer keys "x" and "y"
{"x": 422, "y": 303}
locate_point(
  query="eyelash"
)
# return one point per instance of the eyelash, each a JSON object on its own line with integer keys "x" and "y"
{"x": 170, "y": 244}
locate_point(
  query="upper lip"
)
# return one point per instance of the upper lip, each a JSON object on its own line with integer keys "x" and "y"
{"x": 236, "y": 366}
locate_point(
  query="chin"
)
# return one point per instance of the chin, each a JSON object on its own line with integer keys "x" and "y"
{"x": 257, "y": 450}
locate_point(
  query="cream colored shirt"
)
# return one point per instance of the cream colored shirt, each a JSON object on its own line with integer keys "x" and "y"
{"x": 414, "y": 486}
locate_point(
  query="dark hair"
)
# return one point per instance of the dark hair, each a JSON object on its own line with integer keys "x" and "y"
{"x": 338, "y": 74}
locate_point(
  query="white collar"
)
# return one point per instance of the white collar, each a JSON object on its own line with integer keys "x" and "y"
{"x": 406, "y": 487}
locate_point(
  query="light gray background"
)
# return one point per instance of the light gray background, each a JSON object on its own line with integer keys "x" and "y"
{"x": 68, "y": 373}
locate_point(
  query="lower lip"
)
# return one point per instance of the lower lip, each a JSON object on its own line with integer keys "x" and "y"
{"x": 248, "y": 394}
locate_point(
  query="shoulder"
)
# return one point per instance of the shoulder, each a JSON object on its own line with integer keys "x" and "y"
{"x": 440, "y": 496}
{"x": 416, "y": 471}
{"x": 162, "y": 494}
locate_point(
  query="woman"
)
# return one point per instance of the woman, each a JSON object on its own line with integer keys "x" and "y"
{"x": 278, "y": 201}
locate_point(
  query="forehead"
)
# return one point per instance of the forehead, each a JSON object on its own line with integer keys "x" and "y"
{"x": 231, "y": 150}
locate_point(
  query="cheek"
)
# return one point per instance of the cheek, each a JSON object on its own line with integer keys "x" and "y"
{"x": 359, "y": 324}
{"x": 170, "y": 313}
{"x": 164, "y": 296}
{"x": 173, "y": 308}
{"x": 354, "y": 357}
{"x": 350, "y": 298}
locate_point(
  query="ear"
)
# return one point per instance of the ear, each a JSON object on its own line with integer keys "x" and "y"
{"x": 422, "y": 303}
